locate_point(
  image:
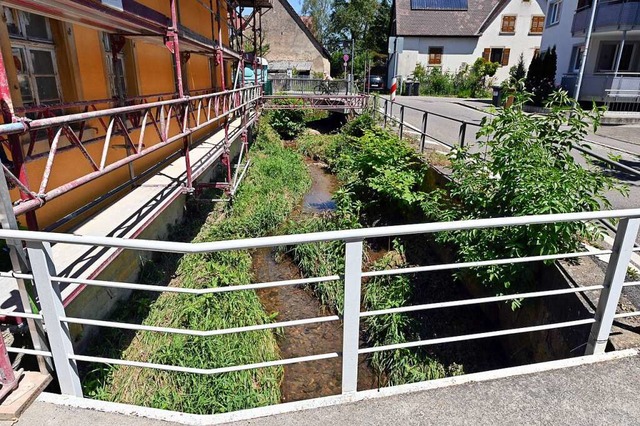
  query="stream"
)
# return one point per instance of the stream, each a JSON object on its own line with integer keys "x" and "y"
{"x": 312, "y": 379}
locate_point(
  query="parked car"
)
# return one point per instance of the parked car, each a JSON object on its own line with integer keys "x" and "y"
{"x": 374, "y": 82}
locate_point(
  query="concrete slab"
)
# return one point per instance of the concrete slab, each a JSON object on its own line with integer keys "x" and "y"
{"x": 588, "y": 390}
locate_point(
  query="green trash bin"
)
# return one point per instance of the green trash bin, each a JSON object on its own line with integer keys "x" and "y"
{"x": 268, "y": 88}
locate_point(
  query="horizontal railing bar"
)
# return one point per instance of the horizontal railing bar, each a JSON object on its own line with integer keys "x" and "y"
{"x": 70, "y": 118}
{"x": 203, "y": 371}
{"x": 16, "y": 275}
{"x": 446, "y": 266}
{"x": 631, "y": 284}
{"x": 282, "y": 240}
{"x": 432, "y": 113}
{"x": 477, "y": 336}
{"x": 26, "y": 351}
{"x": 481, "y": 300}
{"x": 198, "y": 333}
{"x": 19, "y": 314}
{"x": 627, "y": 314}
{"x": 195, "y": 291}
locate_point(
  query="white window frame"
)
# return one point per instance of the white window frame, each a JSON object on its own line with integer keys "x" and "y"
{"x": 27, "y": 45}
{"x": 577, "y": 59}
{"x": 110, "y": 71}
{"x": 554, "y": 12}
{"x": 27, "y": 48}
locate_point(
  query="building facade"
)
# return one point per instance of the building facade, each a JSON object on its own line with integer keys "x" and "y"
{"x": 293, "y": 49}
{"x": 611, "y": 71}
{"x": 450, "y": 34}
{"x": 64, "y": 60}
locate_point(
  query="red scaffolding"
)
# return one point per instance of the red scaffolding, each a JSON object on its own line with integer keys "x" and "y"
{"x": 123, "y": 116}
{"x": 169, "y": 116}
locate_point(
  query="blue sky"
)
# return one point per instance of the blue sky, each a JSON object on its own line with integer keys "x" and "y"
{"x": 297, "y": 5}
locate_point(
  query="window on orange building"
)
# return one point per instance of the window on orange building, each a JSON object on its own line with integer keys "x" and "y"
{"x": 34, "y": 57}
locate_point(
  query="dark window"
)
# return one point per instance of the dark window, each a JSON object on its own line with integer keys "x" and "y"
{"x": 435, "y": 55}
{"x": 608, "y": 54}
{"x": 497, "y": 54}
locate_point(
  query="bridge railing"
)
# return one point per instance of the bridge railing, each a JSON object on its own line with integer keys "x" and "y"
{"x": 307, "y": 85}
{"x": 57, "y": 321}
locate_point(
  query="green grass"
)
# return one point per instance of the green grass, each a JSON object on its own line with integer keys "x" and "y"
{"x": 274, "y": 185}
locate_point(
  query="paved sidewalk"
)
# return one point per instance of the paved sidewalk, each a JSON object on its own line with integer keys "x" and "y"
{"x": 602, "y": 393}
{"x": 606, "y": 393}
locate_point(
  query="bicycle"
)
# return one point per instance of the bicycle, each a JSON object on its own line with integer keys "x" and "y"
{"x": 326, "y": 88}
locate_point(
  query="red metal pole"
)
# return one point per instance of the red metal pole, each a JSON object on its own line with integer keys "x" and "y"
{"x": 7, "y": 375}
{"x": 17, "y": 156}
{"x": 173, "y": 34}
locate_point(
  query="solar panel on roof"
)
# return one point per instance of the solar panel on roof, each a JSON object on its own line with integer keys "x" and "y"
{"x": 439, "y": 4}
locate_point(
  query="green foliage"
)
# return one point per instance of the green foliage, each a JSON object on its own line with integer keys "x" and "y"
{"x": 273, "y": 187}
{"x": 465, "y": 82}
{"x": 518, "y": 71}
{"x": 289, "y": 123}
{"x": 531, "y": 169}
{"x": 541, "y": 76}
{"x": 387, "y": 292}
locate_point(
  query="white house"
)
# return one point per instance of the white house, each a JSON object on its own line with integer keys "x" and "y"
{"x": 451, "y": 33}
{"x": 612, "y": 67}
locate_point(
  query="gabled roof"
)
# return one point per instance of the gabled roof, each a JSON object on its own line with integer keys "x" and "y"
{"x": 439, "y": 22}
{"x": 296, "y": 18}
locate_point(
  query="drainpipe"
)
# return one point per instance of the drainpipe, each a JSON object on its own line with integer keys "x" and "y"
{"x": 583, "y": 64}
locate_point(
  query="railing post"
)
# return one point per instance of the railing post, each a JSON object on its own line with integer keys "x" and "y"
{"x": 52, "y": 310}
{"x": 375, "y": 107}
{"x": 401, "y": 121}
{"x": 351, "y": 320}
{"x": 386, "y": 107}
{"x": 462, "y": 134}
{"x": 613, "y": 283}
{"x": 423, "y": 136}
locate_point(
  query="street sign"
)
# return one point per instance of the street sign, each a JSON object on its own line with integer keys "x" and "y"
{"x": 346, "y": 58}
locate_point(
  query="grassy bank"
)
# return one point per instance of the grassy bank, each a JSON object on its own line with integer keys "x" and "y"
{"x": 381, "y": 176}
{"x": 274, "y": 185}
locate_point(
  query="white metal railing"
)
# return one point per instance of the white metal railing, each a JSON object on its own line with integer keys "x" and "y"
{"x": 56, "y": 320}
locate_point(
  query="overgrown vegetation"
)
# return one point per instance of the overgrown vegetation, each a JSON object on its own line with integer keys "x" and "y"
{"x": 381, "y": 176}
{"x": 468, "y": 81}
{"x": 531, "y": 168}
{"x": 540, "y": 81}
{"x": 275, "y": 183}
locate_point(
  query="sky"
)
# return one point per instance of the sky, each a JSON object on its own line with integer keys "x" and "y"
{"x": 297, "y": 5}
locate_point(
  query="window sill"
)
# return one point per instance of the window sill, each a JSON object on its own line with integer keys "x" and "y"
{"x": 507, "y": 33}
{"x": 535, "y": 34}
{"x": 552, "y": 24}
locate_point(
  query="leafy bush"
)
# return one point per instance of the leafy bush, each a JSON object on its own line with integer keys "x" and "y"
{"x": 540, "y": 82}
{"x": 289, "y": 123}
{"x": 467, "y": 81}
{"x": 531, "y": 169}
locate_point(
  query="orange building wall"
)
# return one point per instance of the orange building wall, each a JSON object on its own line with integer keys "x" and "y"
{"x": 147, "y": 64}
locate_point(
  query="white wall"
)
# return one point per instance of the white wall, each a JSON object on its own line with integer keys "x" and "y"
{"x": 461, "y": 50}
{"x": 559, "y": 35}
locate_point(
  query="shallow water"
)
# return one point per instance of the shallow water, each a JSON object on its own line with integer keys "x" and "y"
{"x": 316, "y": 378}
